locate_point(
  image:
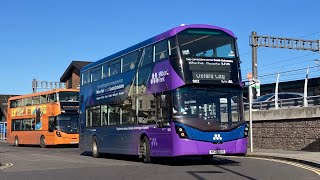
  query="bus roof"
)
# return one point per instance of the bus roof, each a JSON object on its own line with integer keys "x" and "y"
{"x": 43, "y": 93}
{"x": 159, "y": 37}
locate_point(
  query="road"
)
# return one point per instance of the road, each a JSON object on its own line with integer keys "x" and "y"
{"x": 29, "y": 163}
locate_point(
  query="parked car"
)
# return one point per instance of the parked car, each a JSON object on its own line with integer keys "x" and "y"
{"x": 281, "y": 95}
{"x": 284, "y": 100}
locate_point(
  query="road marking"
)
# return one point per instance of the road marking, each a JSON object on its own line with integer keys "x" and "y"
{"x": 6, "y": 165}
{"x": 313, "y": 169}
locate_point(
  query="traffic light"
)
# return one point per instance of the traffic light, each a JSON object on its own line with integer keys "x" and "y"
{"x": 254, "y": 93}
{"x": 255, "y": 88}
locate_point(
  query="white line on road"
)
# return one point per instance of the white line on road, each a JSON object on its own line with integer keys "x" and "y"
{"x": 313, "y": 169}
{"x": 6, "y": 165}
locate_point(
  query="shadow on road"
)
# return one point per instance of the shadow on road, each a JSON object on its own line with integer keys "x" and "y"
{"x": 171, "y": 161}
{"x": 222, "y": 162}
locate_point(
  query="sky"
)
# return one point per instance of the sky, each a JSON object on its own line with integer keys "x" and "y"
{"x": 40, "y": 38}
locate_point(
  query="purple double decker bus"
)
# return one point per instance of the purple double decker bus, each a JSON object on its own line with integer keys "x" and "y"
{"x": 176, "y": 94}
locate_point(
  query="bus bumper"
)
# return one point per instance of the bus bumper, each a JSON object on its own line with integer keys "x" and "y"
{"x": 73, "y": 139}
{"x": 186, "y": 147}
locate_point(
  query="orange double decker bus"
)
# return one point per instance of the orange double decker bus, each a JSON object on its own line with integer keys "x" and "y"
{"x": 44, "y": 118}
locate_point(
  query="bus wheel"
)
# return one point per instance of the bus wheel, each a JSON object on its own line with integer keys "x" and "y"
{"x": 42, "y": 141}
{"x": 95, "y": 149}
{"x": 16, "y": 141}
{"x": 145, "y": 150}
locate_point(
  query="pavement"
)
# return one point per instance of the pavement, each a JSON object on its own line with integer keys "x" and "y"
{"x": 304, "y": 157}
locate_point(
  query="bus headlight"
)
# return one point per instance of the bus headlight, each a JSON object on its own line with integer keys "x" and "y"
{"x": 181, "y": 132}
{"x": 58, "y": 134}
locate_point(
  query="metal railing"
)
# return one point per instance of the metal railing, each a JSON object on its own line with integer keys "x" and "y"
{"x": 284, "y": 103}
{"x": 3, "y": 126}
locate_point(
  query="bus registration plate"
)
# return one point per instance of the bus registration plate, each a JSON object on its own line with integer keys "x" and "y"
{"x": 217, "y": 151}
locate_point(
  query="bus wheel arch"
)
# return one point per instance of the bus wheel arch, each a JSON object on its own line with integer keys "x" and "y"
{"x": 16, "y": 141}
{"x": 42, "y": 141}
{"x": 145, "y": 149}
{"x": 95, "y": 147}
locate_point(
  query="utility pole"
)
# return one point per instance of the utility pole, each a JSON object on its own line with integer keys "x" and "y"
{"x": 254, "y": 54}
{"x": 278, "y": 42}
{"x": 250, "y": 114}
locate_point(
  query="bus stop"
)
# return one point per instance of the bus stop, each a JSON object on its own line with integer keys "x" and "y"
{"x": 3, "y": 131}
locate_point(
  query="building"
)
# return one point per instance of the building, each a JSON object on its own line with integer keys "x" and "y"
{"x": 72, "y": 74}
{"x": 4, "y": 106}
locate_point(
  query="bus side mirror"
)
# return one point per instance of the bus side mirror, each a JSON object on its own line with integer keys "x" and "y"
{"x": 51, "y": 129}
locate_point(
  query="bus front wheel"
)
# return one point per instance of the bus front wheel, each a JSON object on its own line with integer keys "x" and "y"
{"x": 145, "y": 150}
{"x": 95, "y": 149}
{"x": 42, "y": 141}
{"x": 16, "y": 141}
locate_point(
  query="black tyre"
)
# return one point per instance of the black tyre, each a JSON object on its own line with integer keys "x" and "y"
{"x": 16, "y": 141}
{"x": 42, "y": 142}
{"x": 95, "y": 148}
{"x": 145, "y": 150}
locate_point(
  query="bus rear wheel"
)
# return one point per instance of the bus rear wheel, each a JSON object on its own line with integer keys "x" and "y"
{"x": 16, "y": 141}
{"x": 145, "y": 150}
{"x": 42, "y": 141}
{"x": 95, "y": 148}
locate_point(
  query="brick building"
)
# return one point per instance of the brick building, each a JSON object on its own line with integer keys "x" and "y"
{"x": 4, "y": 106}
{"x": 72, "y": 74}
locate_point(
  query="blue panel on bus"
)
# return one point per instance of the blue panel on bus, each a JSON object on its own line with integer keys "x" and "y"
{"x": 218, "y": 136}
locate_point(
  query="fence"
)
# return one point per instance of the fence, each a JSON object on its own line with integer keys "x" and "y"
{"x": 284, "y": 103}
{"x": 3, "y": 131}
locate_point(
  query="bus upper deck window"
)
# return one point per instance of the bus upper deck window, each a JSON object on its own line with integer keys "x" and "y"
{"x": 161, "y": 50}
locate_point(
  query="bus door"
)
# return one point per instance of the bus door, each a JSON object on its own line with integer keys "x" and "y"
{"x": 160, "y": 137}
{"x": 82, "y": 128}
{"x": 92, "y": 121}
{"x": 113, "y": 134}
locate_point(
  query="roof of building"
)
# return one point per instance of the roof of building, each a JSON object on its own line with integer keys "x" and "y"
{"x": 73, "y": 65}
